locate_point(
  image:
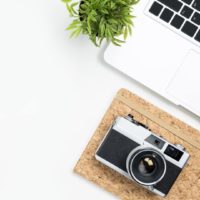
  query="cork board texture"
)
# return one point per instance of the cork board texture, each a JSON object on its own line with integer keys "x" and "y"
{"x": 187, "y": 185}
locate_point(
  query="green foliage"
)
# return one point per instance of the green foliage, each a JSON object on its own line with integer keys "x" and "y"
{"x": 101, "y": 19}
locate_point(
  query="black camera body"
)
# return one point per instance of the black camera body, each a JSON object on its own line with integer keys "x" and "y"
{"x": 131, "y": 149}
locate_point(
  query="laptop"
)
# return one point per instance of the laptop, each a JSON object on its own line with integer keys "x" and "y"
{"x": 163, "y": 52}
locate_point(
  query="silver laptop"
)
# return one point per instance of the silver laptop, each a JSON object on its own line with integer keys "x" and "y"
{"x": 164, "y": 51}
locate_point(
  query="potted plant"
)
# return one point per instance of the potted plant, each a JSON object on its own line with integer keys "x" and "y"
{"x": 101, "y": 19}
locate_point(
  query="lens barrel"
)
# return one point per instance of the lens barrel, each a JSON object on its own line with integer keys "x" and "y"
{"x": 146, "y": 166}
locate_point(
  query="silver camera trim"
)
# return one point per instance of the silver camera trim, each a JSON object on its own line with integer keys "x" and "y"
{"x": 144, "y": 148}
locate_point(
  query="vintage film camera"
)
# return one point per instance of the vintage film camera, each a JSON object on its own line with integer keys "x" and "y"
{"x": 134, "y": 151}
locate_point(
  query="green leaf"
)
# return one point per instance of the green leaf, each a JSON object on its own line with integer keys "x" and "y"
{"x": 74, "y": 25}
{"x": 76, "y": 32}
{"x": 72, "y": 8}
{"x": 69, "y": 10}
{"x": 100, "y": 41}
{"x": 102, "y": 27}
{"x": 130, "y": 30}
{"x": 125, "y": 33}
{"x": 74, "y": 4}
{"x": 112, "y": 21}
{"x": 104, "y": 11}
{"x": 135, "y": 2}
{"x": 94, "y": 40}
{"x": 128, "y": 20}
{"x": 117, "y": 42}
{"x": 112, "y": 5}
{"x": 66, "y": 1}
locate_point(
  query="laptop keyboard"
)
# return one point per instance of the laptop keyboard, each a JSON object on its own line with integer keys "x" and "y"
{"x": 181, "y": 15}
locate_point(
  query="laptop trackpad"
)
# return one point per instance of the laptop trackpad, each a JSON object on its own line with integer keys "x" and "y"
{"x": 185, "y": 86}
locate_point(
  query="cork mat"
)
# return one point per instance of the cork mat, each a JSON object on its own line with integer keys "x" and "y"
{"x": 187, "y": 185}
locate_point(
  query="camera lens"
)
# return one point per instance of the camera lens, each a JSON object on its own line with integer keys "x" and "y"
{"x": 146, "y": 166}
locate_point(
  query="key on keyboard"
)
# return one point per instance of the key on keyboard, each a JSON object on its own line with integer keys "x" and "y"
{"x": 186, "y": 12}
{"x": 173, "y": 4}
{"x": 196, "y": 4}
{"x": 166, "y": 15}
{"x": 156, "y": 8}
{"x": 177, "y": 21}
{"x": 182, "y": 15}
{"x": 196, "y": 18}
{"x": 189, "y": 29}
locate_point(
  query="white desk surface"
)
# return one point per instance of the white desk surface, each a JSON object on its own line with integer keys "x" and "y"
{"x": 47, "y": 83}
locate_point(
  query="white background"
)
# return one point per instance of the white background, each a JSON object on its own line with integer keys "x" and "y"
{"x": 53, "y": 93}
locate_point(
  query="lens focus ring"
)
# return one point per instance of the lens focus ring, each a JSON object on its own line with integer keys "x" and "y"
{"x": 146, "y": 166}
